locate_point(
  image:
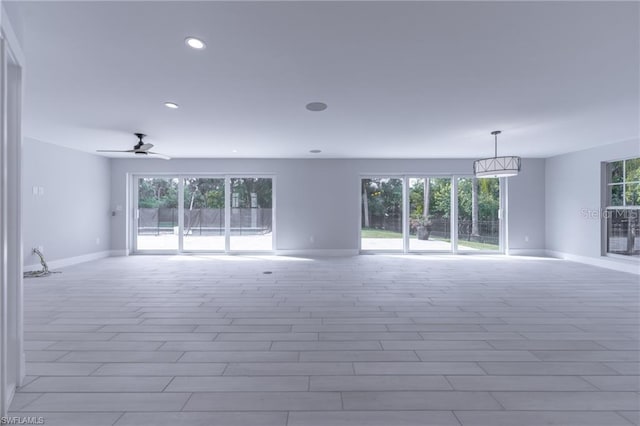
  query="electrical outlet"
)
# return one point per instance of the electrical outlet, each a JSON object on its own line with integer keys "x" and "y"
{"x": 41, "y": 190}
{"x": 97, "y": 240}
{"x": 526, "y": 238}
{"x": 312, "y": 239}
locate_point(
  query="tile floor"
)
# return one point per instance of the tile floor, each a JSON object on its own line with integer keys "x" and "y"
{"x": 368, "y": 340}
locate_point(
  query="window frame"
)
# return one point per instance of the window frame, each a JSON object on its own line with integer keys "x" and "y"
{"x": 609, "y": 207}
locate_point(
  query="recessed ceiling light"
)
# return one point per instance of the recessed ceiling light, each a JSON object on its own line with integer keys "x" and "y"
{"x": 234, "y": 151}
{"x": 315, "y": 151}
{"x": 195, "y": 43}
{"x": 171, "y": 105}
{"x": 316, "y": 106}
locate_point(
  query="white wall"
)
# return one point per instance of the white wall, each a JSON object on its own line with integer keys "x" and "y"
{"x": 73, "y": 212}
{"x": 321, "y": 198}
{"x": 573, "y": 187}
{"x": 527, "y": 209}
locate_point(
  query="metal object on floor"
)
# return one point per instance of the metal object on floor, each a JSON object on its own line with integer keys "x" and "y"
{"x": 44, "y": 272}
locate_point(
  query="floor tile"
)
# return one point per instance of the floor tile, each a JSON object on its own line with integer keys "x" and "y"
{"x": 121, "y": 401}
{"x": 161, "y": 369}
{"x": 632, "y": 416}
{"x": 238, "y": 383}
{"x": 615, "y": 383}
{"x": 364, "y": 345}
{"x": 411, "y": 368}
{"x": 324, "y": 356}
{"x": 289, "y": 369}
{"x": 547, "y": 368}
{"x": 97, "y": 384}
{"x": 478, "y": 355}
{"x": 61, "y": 368}
{"x": 203, "y": 419}
{"x": 578, "y": 401}
{"x": 121, "y": 356}
{"x": 372, "y": 418}
{"x": 239, "y": 356}
{"x": 538, "y": 418}
{"x": 264, "y": 401}
{"x": 378, "y": 383}
{"x": 414, "y": 400}
{"x": 364, "y": 340}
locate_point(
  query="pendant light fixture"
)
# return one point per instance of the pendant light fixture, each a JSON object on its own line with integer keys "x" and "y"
{"x": 496, "y": 166}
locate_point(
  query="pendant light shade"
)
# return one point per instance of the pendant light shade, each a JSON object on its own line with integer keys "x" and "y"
{"x": 496, "y": 166}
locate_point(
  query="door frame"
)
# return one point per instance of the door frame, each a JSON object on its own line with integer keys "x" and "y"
{"x": 133, "y": 211}
{"x": 404, "y": 226}
{"x": 502, "y": 214}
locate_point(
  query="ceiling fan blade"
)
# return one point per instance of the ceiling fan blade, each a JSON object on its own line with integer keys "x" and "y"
{"x": 145, "y": 147}
{"x": 113, "y": 150}
{"x": 155, "y": 154}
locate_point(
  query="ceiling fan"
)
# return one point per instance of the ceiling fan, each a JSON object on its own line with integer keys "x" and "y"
{"x": 140, "y": 148}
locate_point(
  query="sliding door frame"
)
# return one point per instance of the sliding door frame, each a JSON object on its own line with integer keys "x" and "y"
{"x": 405, "y": 223}
{"x": 502, "y": 214}
{"x": 227, "y": 206}
{"x": 134, "y": 179}
{"x": 407, "y": 236}
{"x": 135, "y": 184}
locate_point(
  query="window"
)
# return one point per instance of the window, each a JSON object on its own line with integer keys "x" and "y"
{"x": 623, "y": 207}
{"x": 202, "y": 214}
{"x": 381, "y": 220}
{"x": 426, "y": 213}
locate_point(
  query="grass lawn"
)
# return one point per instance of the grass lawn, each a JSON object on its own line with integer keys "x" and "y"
{"x": 476, "y": 245}
{"x": 462, "y": 244}
{"x": 379, "y": 233}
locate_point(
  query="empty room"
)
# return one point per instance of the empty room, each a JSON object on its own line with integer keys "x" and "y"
{"x": 319, "y": 213}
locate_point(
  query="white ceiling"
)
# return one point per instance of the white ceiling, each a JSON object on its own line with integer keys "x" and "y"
{"x": 402, "y": 80}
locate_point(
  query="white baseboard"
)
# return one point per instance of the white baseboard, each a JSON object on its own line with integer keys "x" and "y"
{"x": 528, "y": 252}
{"x": 318, "y": 252}
{"x": 630, "y": 266}
{"x": 122, "y": 252}
{"x": 69, "y": 261}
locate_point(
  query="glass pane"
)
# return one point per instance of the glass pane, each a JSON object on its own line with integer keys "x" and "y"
{"x": 632, "y": 194}
{"x": 623, "y": 232}
{"x": 381, "y": 214}
{"x": 615, "y": 195}
{"x": 251, "y": 214}
{"x": 478, "y": 210}
{"x": 429, "y": 214}
{"x": 203, "y": 214}
{"x": 632, "y": 170}
{"x": 157, "y": 214}
{"x": 615, "y": 172}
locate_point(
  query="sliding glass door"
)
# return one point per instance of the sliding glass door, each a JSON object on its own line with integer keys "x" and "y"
{"x": 382, "y": 207}
{"x": 478, "y": 214}
{"x": 202, "y": 214}
{"x": 251, "y": 217}
{"x": 157, "y": 214}
{"x": 430, "y": 214}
